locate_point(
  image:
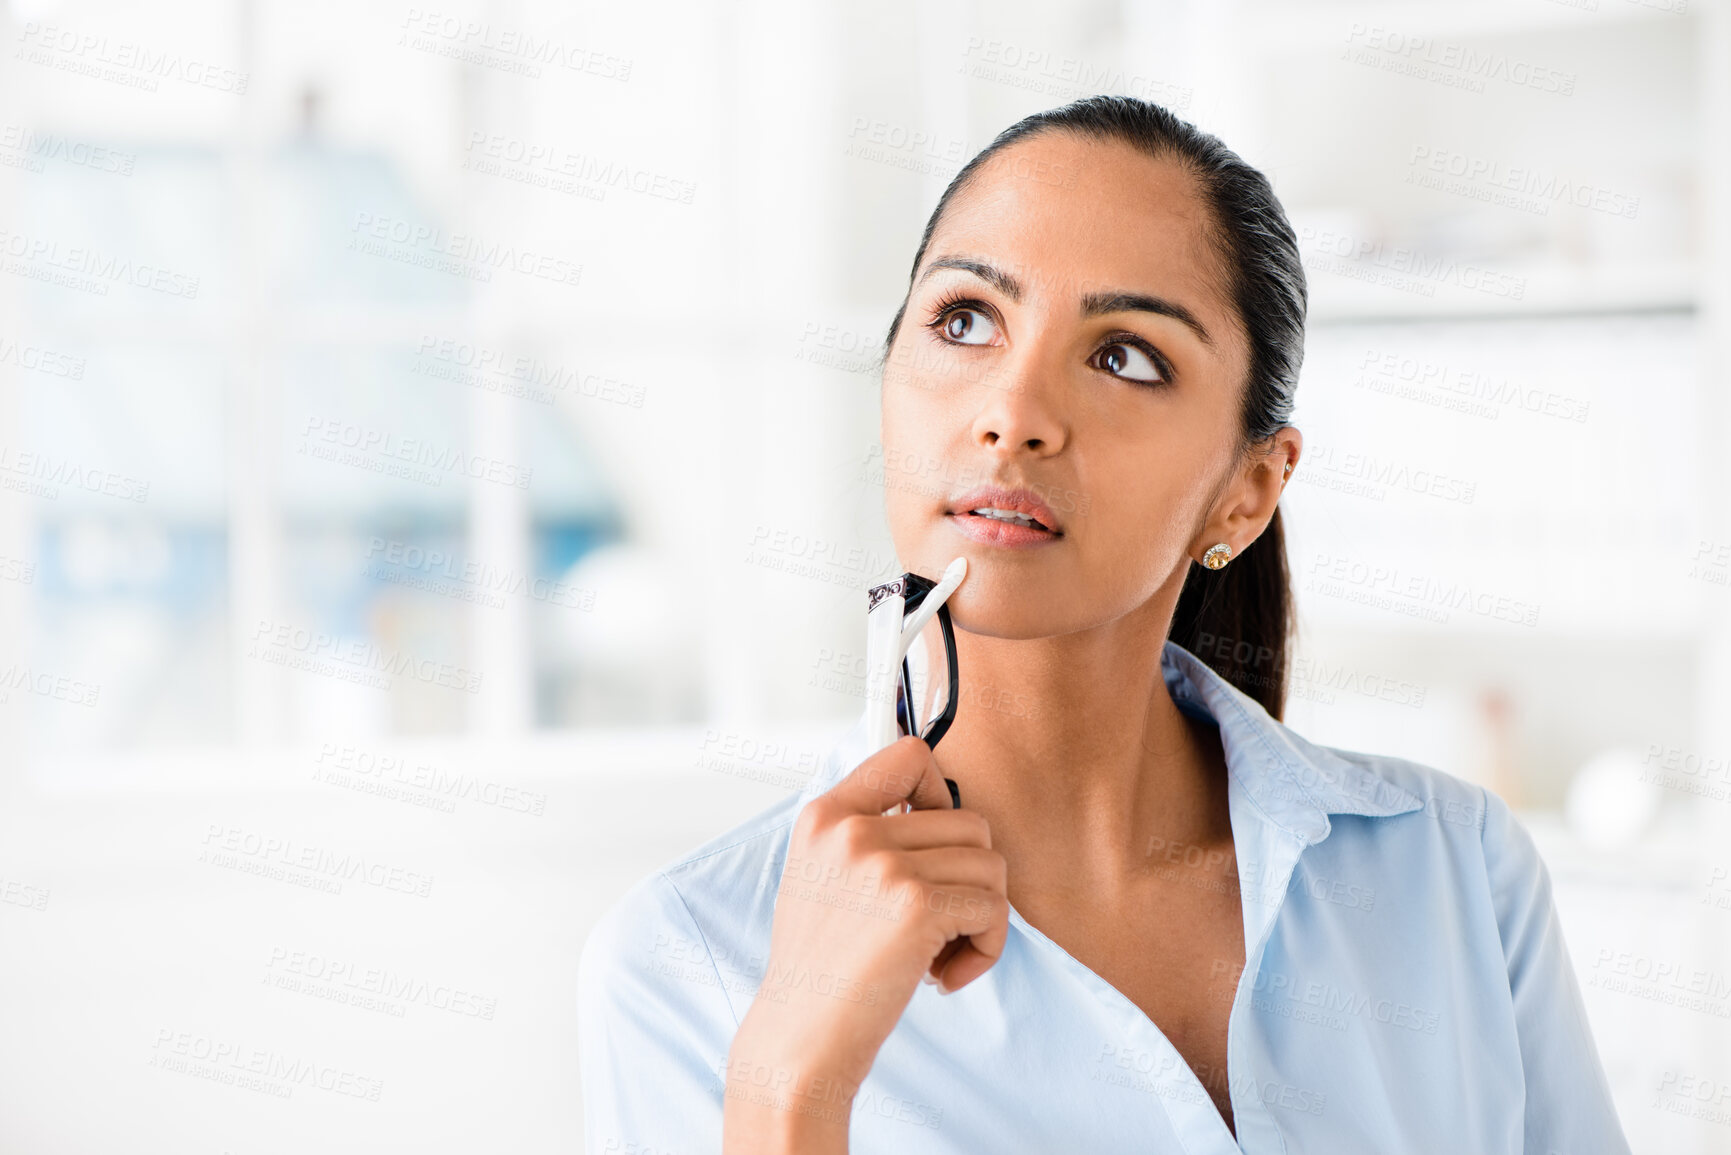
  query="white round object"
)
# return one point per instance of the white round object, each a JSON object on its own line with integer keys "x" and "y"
{"x": 639, "y": 616}
{"x": 1608, "y": 803}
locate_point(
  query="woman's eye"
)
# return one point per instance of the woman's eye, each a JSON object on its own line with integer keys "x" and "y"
{"x": 1131, "y": 363}
{"x": 969, "y": 327}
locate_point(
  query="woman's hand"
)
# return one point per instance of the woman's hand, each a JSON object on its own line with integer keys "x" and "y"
{"x": 870, "y": 904}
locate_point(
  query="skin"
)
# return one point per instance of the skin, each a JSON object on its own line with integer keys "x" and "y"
{"x": 1083, "y": 784}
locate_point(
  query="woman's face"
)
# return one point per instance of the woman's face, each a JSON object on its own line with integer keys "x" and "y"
{"x": 1069, "y": 351}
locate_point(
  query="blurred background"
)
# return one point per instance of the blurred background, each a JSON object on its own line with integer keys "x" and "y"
{"x": 438, "y": 483}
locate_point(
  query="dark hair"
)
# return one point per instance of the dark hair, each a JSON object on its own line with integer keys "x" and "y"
{"x": 1238, "y": 619}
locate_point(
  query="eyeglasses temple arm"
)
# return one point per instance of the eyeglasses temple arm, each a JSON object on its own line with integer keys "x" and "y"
{"x": 941, "y": 724}
{"x": 953, "y": 575}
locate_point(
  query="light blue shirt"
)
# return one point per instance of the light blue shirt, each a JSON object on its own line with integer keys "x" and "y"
{"x": 1407, "y": 988}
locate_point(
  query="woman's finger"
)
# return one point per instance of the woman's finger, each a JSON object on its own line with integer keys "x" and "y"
{"x": 904, "y": 771}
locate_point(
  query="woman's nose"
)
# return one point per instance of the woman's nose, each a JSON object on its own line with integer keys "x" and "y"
{"x": 1019, "y": 415}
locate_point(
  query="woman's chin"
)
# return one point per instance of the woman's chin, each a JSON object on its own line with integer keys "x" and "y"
{"x": 993, "y": 615}
{"x": 1005, "y": 597}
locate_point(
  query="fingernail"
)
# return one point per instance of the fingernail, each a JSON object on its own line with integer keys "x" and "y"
{"x": 928, "y": 979}
{"x": 955, "y": 793}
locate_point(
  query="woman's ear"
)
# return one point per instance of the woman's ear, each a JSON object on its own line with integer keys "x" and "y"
{"x": 1247, "y": 504}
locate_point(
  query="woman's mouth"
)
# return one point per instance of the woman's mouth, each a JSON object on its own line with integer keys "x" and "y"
{"x": 1008, "y": 515}
{"x": 1013, "y": 518}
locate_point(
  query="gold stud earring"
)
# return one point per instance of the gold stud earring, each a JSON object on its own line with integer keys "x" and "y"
{"x": 1217, "y": 555}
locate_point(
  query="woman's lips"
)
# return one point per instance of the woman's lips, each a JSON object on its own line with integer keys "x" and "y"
{"x": 1008, "y": 534}
{"x": 968, "y": 514}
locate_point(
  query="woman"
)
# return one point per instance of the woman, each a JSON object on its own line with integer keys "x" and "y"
{"x": 1161, "y": 921}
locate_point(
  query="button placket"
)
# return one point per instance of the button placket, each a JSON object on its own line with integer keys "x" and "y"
{"x": 1263, "y": 897}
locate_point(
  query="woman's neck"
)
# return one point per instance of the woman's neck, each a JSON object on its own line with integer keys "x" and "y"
{"x": 1074, "y": 751}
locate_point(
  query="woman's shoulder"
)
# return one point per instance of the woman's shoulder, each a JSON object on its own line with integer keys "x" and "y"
{"x": 735, "y": 874}
{"x": 704, "y": 916}
{"x": 1476, "y": 828}
{"x": 665, "y": 976}
{"x": 698, "y": 926}
{"x": 1450, "y": 799}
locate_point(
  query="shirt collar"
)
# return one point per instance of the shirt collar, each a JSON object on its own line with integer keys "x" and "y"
{"x": 1296, "y": 783}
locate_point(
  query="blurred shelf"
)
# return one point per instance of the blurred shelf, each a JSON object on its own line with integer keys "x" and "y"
{"x": 1667, "y": 857}
{"x": 1281, "y": 26}
{"x": 774, "y": 752}
{"x": 1548, "y": 292}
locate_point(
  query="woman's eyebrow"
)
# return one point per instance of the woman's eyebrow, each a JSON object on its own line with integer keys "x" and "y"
{"x": 989, "y": 273}
{"x": 1096, "y": 304}
{"x": 1093, "y": 304}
